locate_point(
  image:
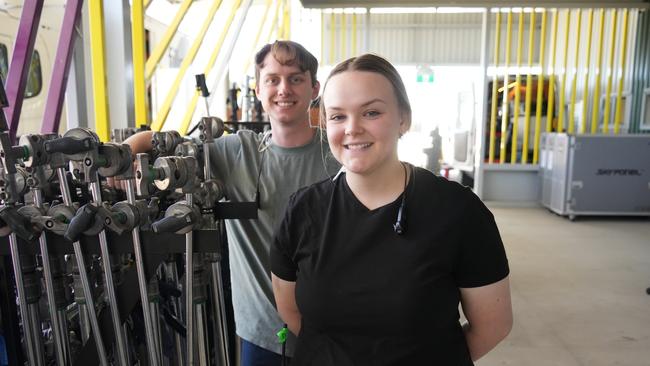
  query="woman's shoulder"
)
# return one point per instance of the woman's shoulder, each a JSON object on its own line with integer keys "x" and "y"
{"x": 443, "y": 193}
{"x": 314, "y": 192}
{"x": 428, "y": 179}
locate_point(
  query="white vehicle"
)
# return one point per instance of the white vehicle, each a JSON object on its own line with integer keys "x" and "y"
{"x": 40, "y": 69}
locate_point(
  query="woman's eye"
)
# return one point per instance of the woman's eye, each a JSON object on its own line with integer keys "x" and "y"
{"x": 372, "y": 113}
{"x": 335, "y": 118}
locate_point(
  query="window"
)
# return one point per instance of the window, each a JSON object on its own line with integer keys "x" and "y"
{"x": 4, "y": 62}
{"x": 35, "y": 77}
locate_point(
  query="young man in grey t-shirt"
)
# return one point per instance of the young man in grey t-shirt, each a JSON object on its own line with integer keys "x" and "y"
{"x": 271, "y": 167}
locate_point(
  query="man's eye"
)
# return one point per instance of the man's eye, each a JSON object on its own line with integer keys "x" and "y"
{"x": 271, "y": 81}
{"x": 297, "y": 79}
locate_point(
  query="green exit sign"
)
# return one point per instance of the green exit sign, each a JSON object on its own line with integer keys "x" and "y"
{"x": 425, "y": 78}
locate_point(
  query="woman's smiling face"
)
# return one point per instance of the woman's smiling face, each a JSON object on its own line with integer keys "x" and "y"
{"x": 363, "y": 120}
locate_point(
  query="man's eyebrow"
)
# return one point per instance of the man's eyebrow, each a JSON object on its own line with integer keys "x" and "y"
{"x": 300, "y": 73}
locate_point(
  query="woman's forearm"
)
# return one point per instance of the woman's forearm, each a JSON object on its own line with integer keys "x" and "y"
{"x": 482, "y": 341}
{"x": 293, "y": 321}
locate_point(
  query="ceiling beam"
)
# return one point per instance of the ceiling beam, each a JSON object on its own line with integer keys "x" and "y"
{"x": 477, "y": 3}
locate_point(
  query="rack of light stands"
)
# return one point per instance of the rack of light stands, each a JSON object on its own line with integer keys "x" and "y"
{"x": 94, "y": 275}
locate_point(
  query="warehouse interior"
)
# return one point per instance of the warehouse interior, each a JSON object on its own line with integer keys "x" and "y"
{"x": 542, "y": 108}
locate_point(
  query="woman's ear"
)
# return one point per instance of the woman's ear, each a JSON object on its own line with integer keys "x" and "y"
{"x": 404, "y": 123}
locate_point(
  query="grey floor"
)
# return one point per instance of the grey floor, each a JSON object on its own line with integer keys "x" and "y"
{"x": 578, "y": 290}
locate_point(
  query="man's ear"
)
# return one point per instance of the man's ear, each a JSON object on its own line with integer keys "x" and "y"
{"x": 314, "y": 90}
{"x": 257, "y": 87}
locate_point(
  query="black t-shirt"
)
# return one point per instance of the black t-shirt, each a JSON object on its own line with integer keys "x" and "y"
{"x": 368, "y": 296}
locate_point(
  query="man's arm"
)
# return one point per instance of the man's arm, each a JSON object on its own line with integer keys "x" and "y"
{"x": 140, "y": 142}
{"x": 489, "y": 314}
{"x": 285, "y": 299}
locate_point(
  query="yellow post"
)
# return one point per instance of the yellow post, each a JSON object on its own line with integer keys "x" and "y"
{"x": 189, "y": 112}
{"x": 574, "y": 82}
{"x": 515, "y": 120}
{"x": 139, "y": 85}
{"x": 551, "y": 76}
{"x": 287, "y": 19}
{"x": 504, "y": 116}
{"x": 96, "y": 14}
{"x": 560, "y": 117}
{"x": 161, "y": 47}
{"x": 280, "y": 35}
{"x": 332, "y": 35}
{"x": 257, "y": 37}
{"x": 540, "y": 89}
{"x": 162, "y": 114}
{"x": 353, "y": 42}
{"x": 585, "y": 93}
{"x": 147, "y": 3}
{"x": 597, "y": 81}
{"x": 495, "y": 93}
{"x": 274, "y": 21}
{"x": 529, "y": 87}
{"x": 608, "y": 91}
{"x": 619, "y": 96}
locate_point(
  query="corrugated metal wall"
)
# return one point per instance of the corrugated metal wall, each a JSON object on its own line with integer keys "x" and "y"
{"x": 433, "y": 38}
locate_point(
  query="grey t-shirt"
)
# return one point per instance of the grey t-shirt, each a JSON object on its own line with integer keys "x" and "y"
{"x": 238, "y": 160}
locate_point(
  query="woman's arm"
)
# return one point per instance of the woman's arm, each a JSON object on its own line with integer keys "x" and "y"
{"x": 489, "y": 314}
{"x": 285, "y": 299}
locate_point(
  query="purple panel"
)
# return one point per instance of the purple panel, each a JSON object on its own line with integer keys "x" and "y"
{"x": 20, "y": 60}
{"x": 64, "y": 52}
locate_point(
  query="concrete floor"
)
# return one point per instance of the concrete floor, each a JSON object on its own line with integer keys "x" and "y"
{"x": 578, "y": 290}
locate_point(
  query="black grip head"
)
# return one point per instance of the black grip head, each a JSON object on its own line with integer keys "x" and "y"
{"x": 83, "y": 220}
{"x": 170, "y": 224}
{"x": 18, "y": 223}
{"x": 200, "y": 85}
{"x": 69, "y": 145}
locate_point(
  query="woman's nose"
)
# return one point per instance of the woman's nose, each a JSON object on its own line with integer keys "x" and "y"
{"x": 353, "y": 126}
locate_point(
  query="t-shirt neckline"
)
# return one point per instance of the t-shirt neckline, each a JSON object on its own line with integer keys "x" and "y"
{"x": 350, "y": 197}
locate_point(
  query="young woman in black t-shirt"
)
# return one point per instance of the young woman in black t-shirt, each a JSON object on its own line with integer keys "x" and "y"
{"x": 369, "y": 268}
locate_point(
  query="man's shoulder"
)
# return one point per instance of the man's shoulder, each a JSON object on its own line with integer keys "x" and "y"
{"x": 242, "y": 139}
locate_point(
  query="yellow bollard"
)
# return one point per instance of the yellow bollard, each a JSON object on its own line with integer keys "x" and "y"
{"x": 529, "y": 87}
{"x": 515, "y": 120}
{"x": 551, "y": 82}
{"x": 505, "y": 113}
{"x": 595, "y": 106}
{"x": 540, "y": 90}
{"x": 585, "y": 93}
{"x": 574, "y": 82}
{"x": 619, "y": 96}
{"x": 495, "y": 93}
{"x": 560, "y": 117}
{"x": 608, "y": 91}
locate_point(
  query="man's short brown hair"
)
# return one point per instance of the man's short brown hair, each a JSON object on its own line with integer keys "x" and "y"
{"x": 287, "y": 53}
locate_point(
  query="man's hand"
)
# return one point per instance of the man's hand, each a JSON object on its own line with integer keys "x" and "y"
{"x": 139, "y": 143}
